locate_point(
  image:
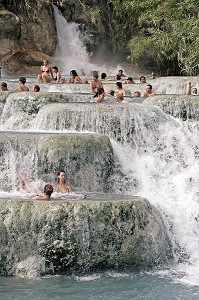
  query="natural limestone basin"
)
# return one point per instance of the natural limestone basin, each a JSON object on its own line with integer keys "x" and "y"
{"x": 101, "y": 232}
{"x": 87, "y": 158}
{"x": 180, "y": 106}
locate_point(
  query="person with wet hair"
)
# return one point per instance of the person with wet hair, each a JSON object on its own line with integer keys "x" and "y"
{"x": 148, "y": 92}
{"x": 121, "y": 74}
{"x": 36, "y": 88}
{"x": 103, "y": 76}
{"x": 48, "y": 190}
{"x": 129, "y": 80}
{"x": 57, "y": 75}
{"x": 99, "y": 95}
{"x": 3, "y": 86}
{"x": 137, "y": 94}
{"x": 61, "y": 186}
{"x": 74, "y": 77}
{"x": 22, "y": 87}
{"x": 95, "y": 84}
{"x": 119, "y": 89}
{"x": 142, "y": 79}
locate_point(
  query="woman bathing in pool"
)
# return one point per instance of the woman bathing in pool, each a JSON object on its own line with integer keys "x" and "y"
{"x": 61, "y": 186}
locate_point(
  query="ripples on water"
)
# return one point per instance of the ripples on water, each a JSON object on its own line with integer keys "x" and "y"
{"x": 106, "y": 286}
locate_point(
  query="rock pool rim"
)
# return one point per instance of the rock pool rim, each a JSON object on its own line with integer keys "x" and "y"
{"x": 90, "y": 197}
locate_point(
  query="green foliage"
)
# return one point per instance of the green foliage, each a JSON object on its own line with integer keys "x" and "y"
{"x": 168, "y": 38}
{"x": 115, "y": 18}
{"x": 159, "y": 35}
{"x": 155, "y": 34}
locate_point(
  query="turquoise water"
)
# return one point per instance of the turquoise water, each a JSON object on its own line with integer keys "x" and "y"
{"x": 105, "y": 286}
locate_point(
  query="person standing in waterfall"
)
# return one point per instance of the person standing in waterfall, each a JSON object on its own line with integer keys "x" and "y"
{"x": 61, "y": 186}
{"x": 95, "y": 83}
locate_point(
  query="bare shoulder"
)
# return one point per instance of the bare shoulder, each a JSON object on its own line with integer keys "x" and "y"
{"x": 69, "y": 187}
{"x": 41, "y": 198}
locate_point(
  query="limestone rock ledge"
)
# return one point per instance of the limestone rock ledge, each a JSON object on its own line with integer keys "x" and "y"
{"x": 184, "y": 107}
{"x": 38, "y": 237}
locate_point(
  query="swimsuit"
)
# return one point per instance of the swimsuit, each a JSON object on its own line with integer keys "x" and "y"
{"x": 55, "y": 77}
{"x": 47, "y": 70}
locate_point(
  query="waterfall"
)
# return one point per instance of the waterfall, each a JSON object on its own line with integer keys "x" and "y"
{"x": 71, "y": 52}
{"x": 88, "y": 159}
{"x": 155, "y": 156}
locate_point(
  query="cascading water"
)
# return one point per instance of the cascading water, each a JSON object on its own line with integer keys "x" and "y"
{"x": 71, "y": 52}
{"x": 156, "y": 156}
{"x": 151, "y": 155}
{"x": 167, "y": 171}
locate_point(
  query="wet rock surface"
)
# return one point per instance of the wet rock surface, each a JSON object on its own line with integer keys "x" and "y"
{"x": 39, "y": 238}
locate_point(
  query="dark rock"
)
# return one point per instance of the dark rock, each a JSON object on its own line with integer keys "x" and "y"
{"x": 10, "y": 27}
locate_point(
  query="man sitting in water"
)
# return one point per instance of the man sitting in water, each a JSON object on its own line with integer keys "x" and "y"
{"x": 188, "y": 90}
{"x": 120, "y": 73}
{"x": 129, "y": 80}
{"x": 148, "y": 91}
{"x": 119, "y": 89}
{"x": 21, "y": 87}
{"x": 95, "y": 84}
{"x": 61, "y": 185}
{"x": 48, "y": 190}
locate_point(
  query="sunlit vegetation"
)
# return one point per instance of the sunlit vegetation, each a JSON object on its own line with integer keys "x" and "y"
{"x": 159, "y": 35}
